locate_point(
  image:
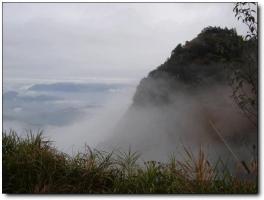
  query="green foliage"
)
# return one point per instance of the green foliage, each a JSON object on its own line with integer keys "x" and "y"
{"x": 210, "y": 58}
{"x": 32, "y": 165}
{"x": 215, "y": 56}
{"x": 203, "y": 57}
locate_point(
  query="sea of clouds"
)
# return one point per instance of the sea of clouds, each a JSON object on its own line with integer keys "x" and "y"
{"x": 70, "y": 113}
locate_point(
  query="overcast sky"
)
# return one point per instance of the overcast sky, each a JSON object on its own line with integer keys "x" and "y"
{"x": 89, "y": 40}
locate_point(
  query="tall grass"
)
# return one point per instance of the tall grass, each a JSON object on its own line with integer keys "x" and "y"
{"x": 33, "y": 165}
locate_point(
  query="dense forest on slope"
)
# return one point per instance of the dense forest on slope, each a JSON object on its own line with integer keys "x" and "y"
{"x": 212, "y": 57}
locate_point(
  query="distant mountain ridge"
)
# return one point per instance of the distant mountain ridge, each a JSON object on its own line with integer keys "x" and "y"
{"x": 75, "y": 87}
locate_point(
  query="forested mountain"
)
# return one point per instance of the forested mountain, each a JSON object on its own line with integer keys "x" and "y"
{"x": 214, "y": 56}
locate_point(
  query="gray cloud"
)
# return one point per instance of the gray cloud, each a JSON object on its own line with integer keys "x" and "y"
{"x": 45, "y": 40}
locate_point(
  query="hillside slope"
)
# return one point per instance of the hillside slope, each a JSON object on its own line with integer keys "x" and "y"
{"x": 202, "y": 61}
{"x": 187, "y": 98}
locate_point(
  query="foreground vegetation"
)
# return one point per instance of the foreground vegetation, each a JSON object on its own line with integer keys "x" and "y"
{"x": 33, "y": 165}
